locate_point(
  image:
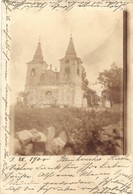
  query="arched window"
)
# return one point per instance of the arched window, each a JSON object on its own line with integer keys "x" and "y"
{"x": 32, "y": 72}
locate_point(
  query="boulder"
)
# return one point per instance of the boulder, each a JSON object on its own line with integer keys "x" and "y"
{"x": 56, "y": 146}
{"x": 48, "y": 147}
{"x": 63, "y": 137}
{"x": 35, "y": 135}
{"x": 42, "y": 137}
{"x": 40, "y": 144}
{"x": 17, "y": 147}
{"x": 50, "y": 133}
{"x": 24, "y": 136}
{"x": 59, "y": 142}
{"x": 39, "y": 148}
{"x": 28, "y": 149}
{"x": 67, "y": 151}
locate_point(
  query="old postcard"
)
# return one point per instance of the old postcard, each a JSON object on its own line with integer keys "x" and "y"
{"x": 67, "y": 87}
{"x": 65, "y": 124}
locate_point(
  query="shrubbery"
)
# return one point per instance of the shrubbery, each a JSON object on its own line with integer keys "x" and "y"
{"x": 83, "y": 128}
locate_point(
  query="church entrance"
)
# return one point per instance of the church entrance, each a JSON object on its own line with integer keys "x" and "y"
{"x": 48, "y": 98}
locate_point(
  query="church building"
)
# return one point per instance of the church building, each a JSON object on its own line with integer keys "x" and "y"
{"x": 47, "y": 87}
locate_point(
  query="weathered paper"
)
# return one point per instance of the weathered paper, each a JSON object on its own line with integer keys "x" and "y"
{"x": 92, "y": 174}
{"x": 59, "y": 174}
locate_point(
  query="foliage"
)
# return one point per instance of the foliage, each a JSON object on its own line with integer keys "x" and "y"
{"x": 90, "y": 95}
{"x": 83, "y": 128}
{"x": 21, "y": 99}
{"x": 112, "y": 82}
{"x": 84, "y": 79}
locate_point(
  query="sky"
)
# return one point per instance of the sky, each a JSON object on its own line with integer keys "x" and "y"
{"x": 97, "y": 37}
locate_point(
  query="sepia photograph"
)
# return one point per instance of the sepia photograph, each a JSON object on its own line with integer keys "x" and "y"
{"x": 67, "y": 82}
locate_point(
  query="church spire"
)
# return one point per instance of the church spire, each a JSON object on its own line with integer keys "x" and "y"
{"x": 70, "y": 49}
{"x": 38, "y": 56}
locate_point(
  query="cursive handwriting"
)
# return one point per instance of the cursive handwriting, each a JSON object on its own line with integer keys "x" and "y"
{"x": 92, "y": 174}
{"x": 65, "y": 4}
{"x": 5, "y": 83}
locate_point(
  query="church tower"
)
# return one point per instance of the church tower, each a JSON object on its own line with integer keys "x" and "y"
{"x": 71, "y": 77}
{"x": 35, "y": 68}
{"x": 46, "y": 87}
{"x": 70, "y": 66}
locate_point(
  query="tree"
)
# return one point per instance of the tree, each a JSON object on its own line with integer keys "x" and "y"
{"x": 84, "y": 79}
{"x": 22, "y": 99}
{"x": 90, "y": 95}
{"x": 112, "y": 82}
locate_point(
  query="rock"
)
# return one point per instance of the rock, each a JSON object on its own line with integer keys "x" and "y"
{"x": 17, "y": 147}
{"x": 63, "y": 137}
{"x": 67, "y": 151}
{"x": 24, "y": 136}
{"x": 48, "y": 148}
{"x": 35, "y": 135}
{"x": 59, "y": 142}
{"x": 34, "y": 130}
{"x": 28, "y": 149}
{"x": 42, "y": 137}
{"x": 39, "y": 148}
{"x": 56, "y": 146}
{"x": 40, "y": 144}
{"x": 50, "y": 133}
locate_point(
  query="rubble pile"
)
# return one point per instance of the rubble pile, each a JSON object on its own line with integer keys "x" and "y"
{"x": 34, "y": 142}
{"x": 105, "y": 140}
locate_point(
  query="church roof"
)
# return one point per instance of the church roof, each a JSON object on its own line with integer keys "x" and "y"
{"x": 70, "y": 49}
{"x": 38, "y": 56}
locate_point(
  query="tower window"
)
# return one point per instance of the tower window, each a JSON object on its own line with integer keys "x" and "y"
{"x": 33, "y": 72}
{"x": 67, "y": 70}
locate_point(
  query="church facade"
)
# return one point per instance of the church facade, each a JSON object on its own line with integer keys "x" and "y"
{"x": 47, "y": 87}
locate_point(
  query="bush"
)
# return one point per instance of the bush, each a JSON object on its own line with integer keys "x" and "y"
{"x": 83, "y": 128}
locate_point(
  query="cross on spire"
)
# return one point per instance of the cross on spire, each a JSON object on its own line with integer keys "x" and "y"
{"x": 70, "y": 49}
{"x": 38, "y": 56}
